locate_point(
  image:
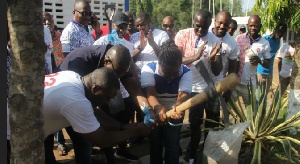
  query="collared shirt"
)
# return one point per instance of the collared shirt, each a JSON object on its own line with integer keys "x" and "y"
{"x": 187, "y": 40}
{"x": 75, "y": 35}
{"x": 167, "y": 90}
{"x": 274, "y": 46}
{"x": 229, "y": 51}
{"x": 148, "y": 54}
{"x": 57, "y": 49}
{"x": 259, "y": 47}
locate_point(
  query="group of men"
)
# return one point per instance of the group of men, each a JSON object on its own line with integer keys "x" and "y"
{"x": 99, "y": 81}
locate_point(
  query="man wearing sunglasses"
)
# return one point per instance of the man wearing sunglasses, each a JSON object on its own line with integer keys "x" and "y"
{"x": 168, "y": 26}
{"x": 77, "y": 34}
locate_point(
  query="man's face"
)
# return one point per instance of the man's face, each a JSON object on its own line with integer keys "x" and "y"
{"x": 120, "y": 71}
{"x": 232, "y": 29}
{"x": 131, "y": 24}
{"x": 121, "y": 29}
{"x": 254, "y": 26}
{"x": 82, "y": 13}
{"x": 279, "y": 32}
{"x": 201, "y": 26}
{"x": 48, "y": 22}
{"x": 143, "y": 25}
{"x": 221, "y": 25}
{"x": 168, "y": 26}
{"x": 102, "y": 97}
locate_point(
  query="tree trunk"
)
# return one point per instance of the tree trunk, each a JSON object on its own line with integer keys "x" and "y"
{"x": 294, "y": 96}
{"x": 26, "y": 80}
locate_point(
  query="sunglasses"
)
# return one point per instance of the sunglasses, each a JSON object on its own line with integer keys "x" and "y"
{"x": 168, "y": 25}
{"x": 85, "y": 13}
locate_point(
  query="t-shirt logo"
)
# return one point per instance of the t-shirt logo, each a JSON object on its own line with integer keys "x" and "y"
{"x": 205, "y": 53}
{"x": 258, "y": 49}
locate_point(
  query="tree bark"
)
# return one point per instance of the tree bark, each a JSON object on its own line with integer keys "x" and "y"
{"x": 26, "y": 80}
{"x": 294, "y": 96}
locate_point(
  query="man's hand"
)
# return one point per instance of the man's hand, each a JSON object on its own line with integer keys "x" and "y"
{"x": 160, "y": 116}
{"x": 150, "y": 38}
{"x": 254, "y": 60}
{"x": 215, "y": 50}
{"x": 200, "y": 50}
{"x": 175, "y": 114}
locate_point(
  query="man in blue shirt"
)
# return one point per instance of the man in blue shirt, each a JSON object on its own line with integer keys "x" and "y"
{"x": 265, "y": 75}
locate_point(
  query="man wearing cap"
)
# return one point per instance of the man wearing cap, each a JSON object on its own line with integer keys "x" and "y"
{"x": 242, "y": 29}
{"x": 119, "y": 30}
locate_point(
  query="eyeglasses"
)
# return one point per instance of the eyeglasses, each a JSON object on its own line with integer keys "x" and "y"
{"x": 168, "y": 25}
{"x": 85, "y": 13}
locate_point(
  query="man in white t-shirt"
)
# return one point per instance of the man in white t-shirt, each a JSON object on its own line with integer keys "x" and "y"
{"x": 229, "y": 46}
{"x": 70, "y": 99}
{"x": 252, "y": 47}
{"x": 198, "y": 44}
{"x": 147, "y": 41}
{"x": 48, "y": 42}
{"x": 285, "y": 56}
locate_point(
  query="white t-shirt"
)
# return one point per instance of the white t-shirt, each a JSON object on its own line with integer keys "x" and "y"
{"x": 229, "y": 51}
{"x": 104, "y": 41}
{"x": 48, "y": 41}
{"x": 259, "y": 48}
{"x": 199, "y": 84}
{"x": 65, "y": 104}
{"x": 286, "y": 53}
{"x": 148, "y": 54}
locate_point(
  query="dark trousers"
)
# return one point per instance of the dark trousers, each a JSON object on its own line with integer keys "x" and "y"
{"x": 212, "y": 111}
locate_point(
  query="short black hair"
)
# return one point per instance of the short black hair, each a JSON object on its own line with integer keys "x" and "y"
{"x": 170, "y": 54}
{"x": 233, "y": 21}
{"x": 143, "y": 16}
{"x": 203, "y": 13}
{"x": 281, "y": 25}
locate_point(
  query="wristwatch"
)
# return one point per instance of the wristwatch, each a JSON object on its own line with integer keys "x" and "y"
{"x": 140, "y": 48}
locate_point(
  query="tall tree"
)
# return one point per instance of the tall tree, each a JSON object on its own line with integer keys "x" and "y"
{"x": 271, "y": 12}
{"x": 26, "y": 80}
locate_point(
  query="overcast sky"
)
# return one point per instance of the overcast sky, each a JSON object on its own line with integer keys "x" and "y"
{"x": 244, "y": 4}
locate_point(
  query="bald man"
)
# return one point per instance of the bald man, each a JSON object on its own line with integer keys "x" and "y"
{"x": 229, "y": 46}
{"x": 252, "y": 48}
{"x": 168, "y": 26}
{"x": 70, "y": 100}
{"x": 85, "y": 60}
{"x": 77, "y": 34}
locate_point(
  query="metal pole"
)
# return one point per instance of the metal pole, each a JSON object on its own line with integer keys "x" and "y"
{"x": 193, "y": 6}
{"x": 247, "y": 8}
{"x": 213, "y": 8}
{"x": 200, "y": 4}
{"x": 231, "y": 7}
{"x": 209, "y": 2}
{"x": 221, "y": 5}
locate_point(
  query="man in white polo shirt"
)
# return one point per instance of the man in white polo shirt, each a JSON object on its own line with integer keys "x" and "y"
{"x": 252, "y": 48}
{"x": 229, "y": 46}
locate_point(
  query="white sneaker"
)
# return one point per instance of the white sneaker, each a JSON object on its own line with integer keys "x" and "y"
{"x": 191, "y": 161}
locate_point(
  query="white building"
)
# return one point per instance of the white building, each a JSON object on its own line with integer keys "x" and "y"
{"x": 62, "y": 10}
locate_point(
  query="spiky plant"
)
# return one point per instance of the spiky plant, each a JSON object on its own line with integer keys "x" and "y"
{"x": 265, "y": 127}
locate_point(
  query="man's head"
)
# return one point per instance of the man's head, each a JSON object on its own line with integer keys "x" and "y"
{"x": 169, "y": 60}
{"x": 232, "y": 27}
{"x": 242, "y": 29}
{"x": 120, "y": 23}
{"x": 118, "y": 59}
{"x": 48, "y": 21}
{"x": 168, "y": 25}
{"x": 143, "y": 22}
{"x": 254, "y": 25}
{"x": 279, "y": 30}
{"x": 222, "y": 22}
{"x": 131, "y": 27}
{"x": 82, "y": 12}
{"x": 102, "y": 85}
{"x": 202, "y": 21}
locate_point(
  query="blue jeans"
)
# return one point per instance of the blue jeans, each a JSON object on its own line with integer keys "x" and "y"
{"x": 59, "y": 136}
{"x": 165, "y": 136}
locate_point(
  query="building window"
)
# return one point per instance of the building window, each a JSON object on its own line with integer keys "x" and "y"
{"x": 60, "y": 17}
{"x": 60, "y": 22}
{"x": 96, "y": 2}
{"x": 96, "y": 13}
{"x": 59, "y": 10}
{"x": 58, "y": 4}
{"x": 97, "y": 8}
{"x": 48, "y": 10}
{"x": 48, "y": 4}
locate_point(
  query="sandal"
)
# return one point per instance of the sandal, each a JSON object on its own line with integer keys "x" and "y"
{"x": 62, "y": 151}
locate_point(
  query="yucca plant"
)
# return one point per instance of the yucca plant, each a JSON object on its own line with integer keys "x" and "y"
{"x": 265, "y": 127}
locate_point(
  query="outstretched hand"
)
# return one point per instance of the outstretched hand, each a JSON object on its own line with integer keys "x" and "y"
{"x": 200, "y": 50}
{"x": 215, "y": 50}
